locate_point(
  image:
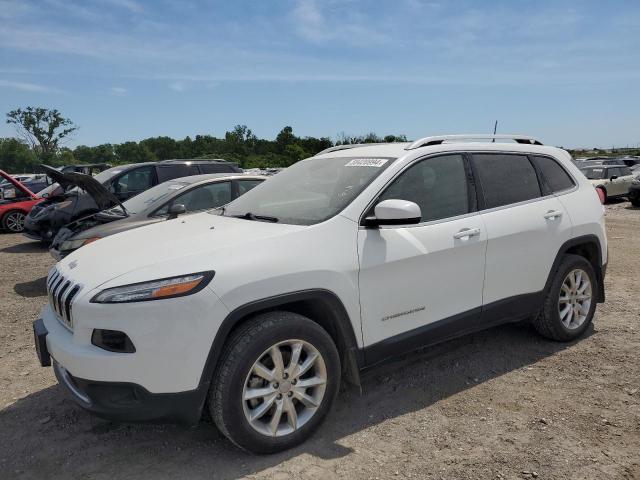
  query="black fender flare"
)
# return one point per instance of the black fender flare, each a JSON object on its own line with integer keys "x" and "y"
{"x": 351, "y": 354}
{"x": 599, "y": 268}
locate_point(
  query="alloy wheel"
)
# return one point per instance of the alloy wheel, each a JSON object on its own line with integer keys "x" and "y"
{"x": 575, "y": 299}
{"x": 284, "y": 388}
{"x": 15, "y": 222}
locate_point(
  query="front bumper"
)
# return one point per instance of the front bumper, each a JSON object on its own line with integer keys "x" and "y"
{"x": 36, "y": 230}
{"x": 161, "y": 381}
{"x": 128, "y": 402}
{"x": 119, "y": 401}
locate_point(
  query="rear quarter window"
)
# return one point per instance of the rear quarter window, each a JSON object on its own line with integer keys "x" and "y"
{"x": 554, "y": 177}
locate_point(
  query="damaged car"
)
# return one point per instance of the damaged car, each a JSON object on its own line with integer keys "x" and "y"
{"x": 163, "y": 202}
{"x": 16, "y": 201}
{"x": 122, "y": 182}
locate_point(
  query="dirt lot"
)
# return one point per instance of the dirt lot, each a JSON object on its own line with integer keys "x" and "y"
{"x": 500, "y": 404}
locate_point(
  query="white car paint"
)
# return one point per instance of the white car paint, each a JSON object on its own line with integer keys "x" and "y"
{"x": 426, "y": 272}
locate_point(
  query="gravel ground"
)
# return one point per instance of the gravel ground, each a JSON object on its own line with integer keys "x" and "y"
{"x": 503, "y": 403}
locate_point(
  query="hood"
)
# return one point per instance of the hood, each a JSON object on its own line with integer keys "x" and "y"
{"x": 17, "y": 184}
{"x": 183, "y": 245}
{"x": 103, "y": 197}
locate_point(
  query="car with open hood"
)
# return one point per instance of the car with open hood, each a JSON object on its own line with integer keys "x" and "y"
{"x": 185, "y": 195}
{"x": 122, "y": 182}
{"x": 16, "y": 201}
{"x": 258, "y": 310}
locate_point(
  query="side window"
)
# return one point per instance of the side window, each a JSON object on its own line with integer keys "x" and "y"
{"x": 506, "y": 178}
{"x": 216, "y": 168}
{"x": 625, "y": 171}
{"x": 169, "y": 172}
{"x": 438, "y": 185}
{"x": 554, "y": 176}
{"x": 245, "y": 185}
{"x": 204, "y": 197}
{"x": 134, "y": 181}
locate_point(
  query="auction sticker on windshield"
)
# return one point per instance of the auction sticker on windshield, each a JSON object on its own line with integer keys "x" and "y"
{"x": 367, "y": 162}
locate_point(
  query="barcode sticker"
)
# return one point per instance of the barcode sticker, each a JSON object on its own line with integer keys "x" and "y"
{"x": 367, "y": 162}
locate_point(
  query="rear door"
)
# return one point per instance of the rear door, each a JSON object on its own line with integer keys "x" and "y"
{"x": 526, "y": 225}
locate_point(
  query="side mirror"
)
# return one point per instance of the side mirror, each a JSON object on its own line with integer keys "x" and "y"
{"x": 613, "y": 177}
{"x": 394, "y": 212}
{"x": 175, "y": 210}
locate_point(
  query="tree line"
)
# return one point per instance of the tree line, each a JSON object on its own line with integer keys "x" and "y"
{"x": 41, "y": 133}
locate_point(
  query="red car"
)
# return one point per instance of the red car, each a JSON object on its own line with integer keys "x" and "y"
{"x": 16, "y": 202}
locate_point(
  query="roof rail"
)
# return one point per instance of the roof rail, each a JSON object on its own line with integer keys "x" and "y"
{"x": 347, "y": 147}
{"x": 440, "y": 139}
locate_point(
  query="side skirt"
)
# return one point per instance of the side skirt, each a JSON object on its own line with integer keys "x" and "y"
{"x": 509, "y": 310}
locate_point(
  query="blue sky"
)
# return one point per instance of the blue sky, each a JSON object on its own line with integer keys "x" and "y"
{"x": 567, "y": 72}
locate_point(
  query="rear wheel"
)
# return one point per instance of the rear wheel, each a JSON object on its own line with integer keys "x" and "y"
{"x": 570, "y": 302}
{"x": 635, "y": 200}
{"x": 602, "y": 194}
{"x": 277, "y": 379}
{"x": 13, "y": 221}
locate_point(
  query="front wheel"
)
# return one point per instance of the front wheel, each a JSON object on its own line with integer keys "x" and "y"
{"x": 570, "y": 303}
{"x": 277, "y": 378}
{"x": 13, "y": 221}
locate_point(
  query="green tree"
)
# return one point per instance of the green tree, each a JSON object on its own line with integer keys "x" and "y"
{"x": 133, "y": 152}
{"x": 16, "y": 156}
{"x": 42, "y": 129}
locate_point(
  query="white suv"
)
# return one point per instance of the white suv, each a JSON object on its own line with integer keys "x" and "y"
{"x": 258, "y": 309}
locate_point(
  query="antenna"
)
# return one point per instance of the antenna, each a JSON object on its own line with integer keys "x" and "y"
{"x": 495, "y": 129}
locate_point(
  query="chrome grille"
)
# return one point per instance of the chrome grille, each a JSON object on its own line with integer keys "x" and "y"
{"x": 61, "y": 293}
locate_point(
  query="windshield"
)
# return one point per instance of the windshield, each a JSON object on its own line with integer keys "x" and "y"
{"x": 309, "y": 191}
{"x": 109, "y": 173}
{"x": 150, "y": 197}
{"x": 594, "y": 173}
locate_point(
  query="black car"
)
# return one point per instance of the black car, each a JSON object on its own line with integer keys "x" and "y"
{"x": 122, "y": 182}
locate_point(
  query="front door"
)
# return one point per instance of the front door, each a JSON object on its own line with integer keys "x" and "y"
{"x": 415, "y": 281}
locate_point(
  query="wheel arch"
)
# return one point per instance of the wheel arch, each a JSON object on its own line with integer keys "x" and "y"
{"x": 588, "y": 247}
{"x": 322, "y": 306}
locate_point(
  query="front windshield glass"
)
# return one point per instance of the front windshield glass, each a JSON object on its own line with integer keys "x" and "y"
{"x": 594, "y": 173}
{"x": 150, "y": 197}
{"x": 309, "y": 191}
{"x": 108, "y": 173}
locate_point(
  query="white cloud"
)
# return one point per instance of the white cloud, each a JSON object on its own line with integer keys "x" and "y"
{"x": 118, "y": 91}
{"x": 177, "y": 86}
{"x": 27, "y": 87}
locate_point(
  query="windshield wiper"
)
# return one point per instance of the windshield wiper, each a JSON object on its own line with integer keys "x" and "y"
{"x": 251, "y": 216}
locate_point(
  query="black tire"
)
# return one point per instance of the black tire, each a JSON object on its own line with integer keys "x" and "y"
{"x": 635, "y": 201}
{"x": 548, "y": 322}
{"x": 246, "y": 346}
{"x": 10, "y": 218}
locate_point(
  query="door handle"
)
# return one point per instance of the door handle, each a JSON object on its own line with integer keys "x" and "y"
{"x": 552, "y": 214}
{"x": 467, "y": 232}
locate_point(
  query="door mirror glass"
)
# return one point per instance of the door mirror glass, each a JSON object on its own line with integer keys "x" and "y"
{"x": 175, "y": 210}
{"x": 395, "y": 212}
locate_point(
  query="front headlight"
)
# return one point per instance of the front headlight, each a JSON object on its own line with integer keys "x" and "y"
{"x": 156, "y": 289}
{"x": 75, "y": 244}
